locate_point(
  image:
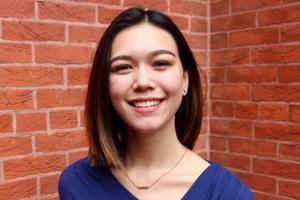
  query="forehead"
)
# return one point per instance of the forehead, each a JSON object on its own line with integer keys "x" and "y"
{"x": 141, "y": 38}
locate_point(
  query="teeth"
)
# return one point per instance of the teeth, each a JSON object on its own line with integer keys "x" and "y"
{"x": 146, "y": 103}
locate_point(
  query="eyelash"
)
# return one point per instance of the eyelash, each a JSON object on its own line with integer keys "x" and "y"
{"x": 161, "y": 63}
{"x": 124, "y": 68}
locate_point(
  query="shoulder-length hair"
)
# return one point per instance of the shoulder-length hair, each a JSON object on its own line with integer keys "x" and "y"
{"x": 103, "y": 124}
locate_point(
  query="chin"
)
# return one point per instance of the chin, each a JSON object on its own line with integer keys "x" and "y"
{"x": 146, "y": 129}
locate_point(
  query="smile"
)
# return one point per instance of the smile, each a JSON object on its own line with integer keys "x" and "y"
{"x": 144, "y": 104}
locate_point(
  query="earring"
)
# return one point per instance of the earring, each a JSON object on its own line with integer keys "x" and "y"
{"x": 184, "y": 91}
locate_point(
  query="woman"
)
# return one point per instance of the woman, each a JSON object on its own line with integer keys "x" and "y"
{"x": 143, "y": 114}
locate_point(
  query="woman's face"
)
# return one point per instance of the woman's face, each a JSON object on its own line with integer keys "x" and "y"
{"x": 146, "y": 80}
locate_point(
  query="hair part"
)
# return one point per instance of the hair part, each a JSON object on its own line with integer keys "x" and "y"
{"x": 106, "y": 142}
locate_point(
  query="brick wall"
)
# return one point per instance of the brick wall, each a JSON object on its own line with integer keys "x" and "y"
{"x": 255, "y": 93}
{"x": 249, "y": 54}
{"x": 46, "y": 48}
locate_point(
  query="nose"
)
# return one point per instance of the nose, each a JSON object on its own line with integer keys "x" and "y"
{"x": 143, "y": 78}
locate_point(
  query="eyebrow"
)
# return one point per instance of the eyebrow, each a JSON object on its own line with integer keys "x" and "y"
{"x": 151, "y": 54}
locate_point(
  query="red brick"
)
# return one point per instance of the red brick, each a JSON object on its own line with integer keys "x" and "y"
{"x": 18, "y": 189}
{"x": 246, "y": 110}
{"x": 30, "y": 76}
{"x": 289, "y": 152}
{"x": 60, "y": 97}
{"x": 231, "y": 127}
{"x": 58, "y": 54}
{"x": 203, "y": 155}
{"x": 82, "y": 118}
{"x": 251, "y": 74}
{"x": 66, "y": 12}
{"x": 16, "y": 99}
{"x": 63, "y": 119}
{"x": 199, "y": 25}
{"x": 276, "y": 168}
{"x": 290, "y": 1}
{"x": 258, "y": 196}
{"x": 196, "y": 41}
{"x": 276, "y": 131}
{"x": 109, "y": 2}
{"x": 255, "y": 147}
{"x": 32, "y": 31}
{"x": 61, "y": 141}
{"x": 196, "y": 8}
{"x": 219, "y": 7}
{"x": 78, "y": 76}
{"x": 15, "y": 53}
{"x": 33, "y": 165}
{"x": 74, "y": 156}
{"x": 218, "y": 143}
{"x": 13, "y": 146}
{"x": 217, "y": 75}
{"x": 289, "y": 189}
{"x": 49, "y": 184}
{"x": 17, "y": 8}
{"x": 219, "y": 40}
{"x": 201, "y": 58}
{"x": 222, "y": 109}
{"x": 50, "y": 197}
{"x": 254, "y": 37}
{"x": 85, "y": 33}
{"x": 233, "y": 22}
{"x": 161, "y": 5}
{"x": 276, "y": 54}
{"x": 31, "y": 122}
{"x": 279, "y": 15}
{"x": 230, "y": 57}
{"x": 230, "y": 92}
{"x": 274, "y": 111}
{"x": 181, "y": 21}
{"x": 289, "y": 73}
{"x": 106, "y": 15}
{"x": 205, "y": 108}
{"x": 258, "y": 182}
{"x": 200, "y": 144}
{"x": 290, "y": 33}
{"x": 6, "y": 123}
{"x": 231, "y": 161}
{"x": 295, "y": 113}
{"x": 242, "y": 5}
{"x": 287, "y": 93}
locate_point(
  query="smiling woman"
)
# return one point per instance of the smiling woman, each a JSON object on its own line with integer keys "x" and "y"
{"x": 143, "y": 114}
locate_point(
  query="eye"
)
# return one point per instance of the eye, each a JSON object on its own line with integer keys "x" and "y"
{"x": 161, "y": 63}
{"x": 122, "y": 68}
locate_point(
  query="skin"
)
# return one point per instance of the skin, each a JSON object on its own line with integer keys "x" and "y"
{"x": 145, "y": 67}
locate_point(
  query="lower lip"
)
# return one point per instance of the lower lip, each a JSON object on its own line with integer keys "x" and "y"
{"x": 148, "y": 109}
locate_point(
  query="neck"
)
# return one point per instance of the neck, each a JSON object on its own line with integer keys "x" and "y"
{"x": 157, "y": 149}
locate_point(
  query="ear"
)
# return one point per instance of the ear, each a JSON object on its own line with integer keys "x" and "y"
{"x": 185, "y": 84}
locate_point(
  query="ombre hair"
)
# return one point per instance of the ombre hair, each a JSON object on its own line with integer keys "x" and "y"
{"x": 107, "y": 143}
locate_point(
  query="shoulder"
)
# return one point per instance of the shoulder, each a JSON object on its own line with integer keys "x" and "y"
{"x": 69, "y": 172}
{"x": 229, "y": 186}
{"x": 69, "y": 177}
{"x": 82, "y": 181}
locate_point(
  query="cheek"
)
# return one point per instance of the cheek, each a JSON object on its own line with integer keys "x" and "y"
{"x": 117, "y": 87}
{"x": 173, "y": 84}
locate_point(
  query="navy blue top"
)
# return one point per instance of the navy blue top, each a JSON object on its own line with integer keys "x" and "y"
{"x": 83, "y": 182}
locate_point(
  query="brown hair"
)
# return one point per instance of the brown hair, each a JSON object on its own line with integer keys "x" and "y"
{"x": 102, "y": 121}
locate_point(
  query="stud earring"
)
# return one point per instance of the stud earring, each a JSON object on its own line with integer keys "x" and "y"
{"x": 184, "y": 91}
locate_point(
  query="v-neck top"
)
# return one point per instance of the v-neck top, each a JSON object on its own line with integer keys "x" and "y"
{"x": 81, "y": 181}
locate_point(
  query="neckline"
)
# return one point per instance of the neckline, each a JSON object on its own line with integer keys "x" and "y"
{"x": 185, "y": 196}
